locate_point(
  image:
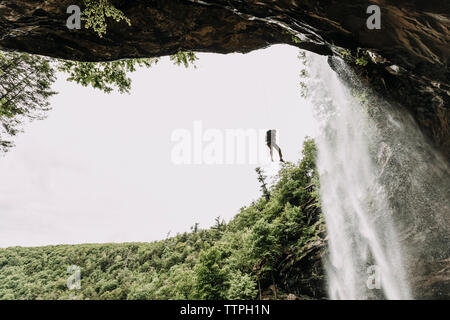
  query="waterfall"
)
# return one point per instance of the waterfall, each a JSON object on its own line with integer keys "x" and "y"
{"x": 384, "y": 191}
{"x": 365, "y": 259}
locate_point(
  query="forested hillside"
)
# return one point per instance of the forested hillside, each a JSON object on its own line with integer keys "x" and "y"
{"x": 271, "y": 249}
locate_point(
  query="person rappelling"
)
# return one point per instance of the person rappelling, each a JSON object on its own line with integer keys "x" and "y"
{"x": 271, "y": 140}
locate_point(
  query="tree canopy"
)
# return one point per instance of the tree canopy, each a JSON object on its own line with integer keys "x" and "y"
{"x": 242, "y": 259}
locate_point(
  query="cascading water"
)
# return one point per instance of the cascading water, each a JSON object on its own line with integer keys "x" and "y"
{"x": 358, "y": 217}
{"x": 364, "y": 152}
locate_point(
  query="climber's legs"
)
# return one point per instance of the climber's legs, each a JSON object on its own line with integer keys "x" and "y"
{"x": 279, "y": 151}
{"x": 271, "y": 151}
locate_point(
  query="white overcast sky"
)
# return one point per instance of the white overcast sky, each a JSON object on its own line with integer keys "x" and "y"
{"x": 99, "y": 168}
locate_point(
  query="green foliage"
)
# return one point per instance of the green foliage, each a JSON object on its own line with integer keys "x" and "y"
{"x": 25, "y": 89}
{"x": 104, "y": 75}
{"x": 346, "y": 54}
{"x": 114, "y": 74}
{"x": 96, "y": 12}
{"x": 210, "y": 276}
{"x": 227, "y": 261}
{"x": 361, "y": 61}
{"x": 264, "y": 240}
{"x": 184, "y": 58}
{"x": 26, "y": 80}
{"x": 262, "y": 180}
{"x": 241, "y": 286}
{"x": 295, "y": 39}
{"x": 303, "y": 74}
{"x": 361, "y": 58}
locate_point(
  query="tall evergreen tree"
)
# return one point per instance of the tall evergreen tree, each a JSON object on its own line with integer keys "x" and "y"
{"x": 210, "y": 276}
{"x": 262, "y": 179}
{"x": 25, "y": 89}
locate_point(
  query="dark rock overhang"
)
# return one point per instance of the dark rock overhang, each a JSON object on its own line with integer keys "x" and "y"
{"x": 411, "y": 49}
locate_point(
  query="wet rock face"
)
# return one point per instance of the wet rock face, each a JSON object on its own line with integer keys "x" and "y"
{"x": 411, "y": 48}
{"x": 302, "y": 273}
